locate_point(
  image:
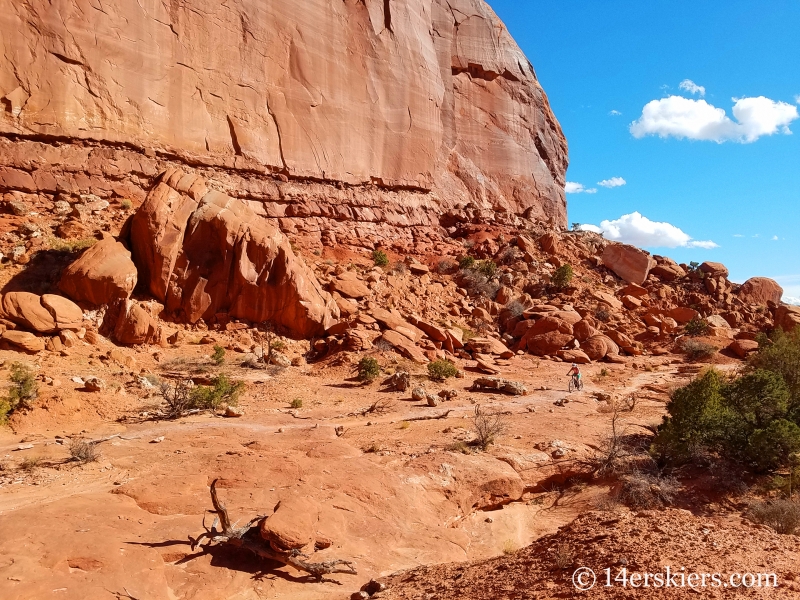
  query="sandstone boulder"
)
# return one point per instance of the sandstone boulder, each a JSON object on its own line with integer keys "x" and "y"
{"x": 103, "y": 274}
{"x": 787, "y": 317}
{"x": 547, "y": 343}
{"x": 714, "y": 269}
{"x": 742, "y": 348}
{"x": 629, "y": 263}
{"x": 348, "y": 284}
{"x": 202, "y": 253}
{"x": 134, "y": 325}
{"x": 549, "y": 243}
{"x": 44, "y": 314}
{"x": 667, "y": 269}
{"x": 761, "y": 291}
{"x": 293, "y": 524}
{"x": 683, "y": 314}
{"x": 583, "y": 330}
{"x": 25, "y": 341}
{"x": 595, "y": 347}
{"x": 574, "y": 356}
{"x": 404, "y": 346}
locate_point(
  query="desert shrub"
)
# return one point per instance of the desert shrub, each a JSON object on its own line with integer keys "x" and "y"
{"x": 781, "y": 515}
{"x": 222, "y": 391}
{"x": 563, "y": 276}
{"x": 439, "y": 370}
{"x": 83, "y": 451}
{"x": 23, "y": 391}
{"x": 466, "y": 334}
{"x": 297, "y": 403}
{"x": 380, "y": 258}
{"x": 487, "y": 268}
{"x": 696, "y": 327}
{"x": 478, "y": 284}
{"x": 70, "y": 246}
{"x": 489, "y": 426}
{"x": 126, "y": 204}
{"x": 697, "y": 350}
{"x": 602, "y": 314}
{"x": 398, "y": 268}
{"x": 509, "y": 547}
{"x": 466, "y": 262}
{"x": 746, "y": 419}
{"x": 368, "y": 369}
{"x": 646, "y": 491}
{"x": 177, "y": 397}
{"x": 31, "y": 463}
{"x": 509, "y": 255}
{"x": 219, "y": 355}
{"x": 515, "y": 309}
{"x": 780, "y": 354}
{"x": 446, "y": 265}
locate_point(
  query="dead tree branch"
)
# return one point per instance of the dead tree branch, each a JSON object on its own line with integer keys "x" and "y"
{"x": 249, "y": 538}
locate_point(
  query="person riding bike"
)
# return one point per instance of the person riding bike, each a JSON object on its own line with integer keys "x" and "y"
{"x": 575, "y": 373}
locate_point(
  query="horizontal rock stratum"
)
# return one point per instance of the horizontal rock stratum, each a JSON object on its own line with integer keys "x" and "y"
{"x": 428, "y": 96}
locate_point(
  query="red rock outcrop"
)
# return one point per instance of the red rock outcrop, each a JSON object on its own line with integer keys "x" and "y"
{"x": 629, "y": 263}
{"x": 203, "y": 253}
{"x": 398, "y": 113}
{"x": 103, "y": 274}
{"x": 760, "y": 290}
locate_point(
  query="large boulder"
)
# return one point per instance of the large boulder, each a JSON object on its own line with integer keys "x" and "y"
{"x": 787, "y": 317}
{"x": 202, "y": 253}
{"x": 667, "y": 269}
{"x": 714, "y": 269}
{"x": 43, "y": 314}
{"x": 103, "y": 274}
{"x": 629, "y": 263}
{"x": 24, "y": 341}
{"x": 134, "y": 325}
{"x": 547, "y": 344}
{"x": 292, "y": 525}
{"x": 760, "y": 290}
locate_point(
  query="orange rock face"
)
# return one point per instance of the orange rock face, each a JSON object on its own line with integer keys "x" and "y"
{"x": 760, "y": 290}
{"x": 104, "y": 273}
{"x": 433, "y": 97}
{"x": 203, "y": 253}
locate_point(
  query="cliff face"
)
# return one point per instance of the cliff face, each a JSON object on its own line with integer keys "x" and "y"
{"x": 428, "y": 98}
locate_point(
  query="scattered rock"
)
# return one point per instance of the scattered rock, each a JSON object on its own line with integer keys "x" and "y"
{"x": 498, "y": 384}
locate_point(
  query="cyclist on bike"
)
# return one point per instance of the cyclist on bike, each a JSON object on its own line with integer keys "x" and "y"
{"x": 575, "y": 373}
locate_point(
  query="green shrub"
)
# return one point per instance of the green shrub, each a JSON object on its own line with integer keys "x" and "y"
{"x": 696, "y": 327}
{"x": 563, "y": 276}
{"x": 297, "y": 403}
{"x": 780, "y": 354}
{"x": 368, "y": 369}
{"x": 697, "y": 350}
{"x": 126, "y": 204}
{"x": 380, "y": 258}
{"x": 219, "y": 355}
{"x": 487, "y": 268}
{"x": 466, "y": 262}
{"x": 439, "y": 370}
{"x": 23, "y": 391}
{"x": 222, "y": 391}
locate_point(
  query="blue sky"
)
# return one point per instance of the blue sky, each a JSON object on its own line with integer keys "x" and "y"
{"x": 731, "y": 179}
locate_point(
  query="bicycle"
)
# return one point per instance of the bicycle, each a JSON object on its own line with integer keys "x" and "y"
{"x": 575, "y": 383}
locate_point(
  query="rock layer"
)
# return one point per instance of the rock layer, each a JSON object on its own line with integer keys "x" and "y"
{"x": 203, "y": 253}
{"x": 417, "y": 104}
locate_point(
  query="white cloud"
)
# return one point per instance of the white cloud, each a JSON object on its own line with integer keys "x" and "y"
{"x": 737, "y": 235}
{"x": 616, "y": 113}
{"x": 612, "y": 183}
{"x": 577, "y": 188}
{"x": 691, "y": 87}
{"x": 791, "y": 300}
{"x": 640, "y": 231}
{"x": 681, "y": 117}
{"x": 774, "y": 238}
{"x": 797, "y": 99}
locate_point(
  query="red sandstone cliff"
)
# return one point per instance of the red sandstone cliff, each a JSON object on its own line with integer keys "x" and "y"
{"x": 416, "y": 105}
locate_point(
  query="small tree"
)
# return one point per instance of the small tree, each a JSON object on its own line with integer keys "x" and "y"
{"x": 576, "y": 227}
{"x": 380, "y": 258}
{"x": 219, "y": 355}
{"x": 466, "y": 262}
{"x": 439, "y": 370}
{"x": 368, "y": 369}
{"x": 696, "y": 327}
{"x": 489, "y": 426}
{"x": 23, "y": 391}
{"x": 222, "y": 391}
{"x": 563, "y": 276}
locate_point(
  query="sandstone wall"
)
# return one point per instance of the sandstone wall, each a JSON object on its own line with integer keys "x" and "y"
{"x": 422, "y": 105}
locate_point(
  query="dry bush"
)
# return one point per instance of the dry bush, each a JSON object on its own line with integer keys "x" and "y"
{"x": 177, "y": 397}
{"x": 83, "y": 451}
{"x": 646, "y": 491}
{"x": 489, "y": 426}
{"x": 781, "y": 515}
{"x": 509, "y": 547}
{"x": 515, "y": 309}
{"x": 446, "y": 266}
{"x": 477, "y": 284}
{"x": 697, "y": 350}
{"x": 563, "y": 558}
{"x": 31, "y": 463}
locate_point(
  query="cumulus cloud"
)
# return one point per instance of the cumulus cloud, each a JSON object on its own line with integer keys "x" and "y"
{"x": 676, "y": 116}
{"x": 691, "y": 87}
{"x": 612, "y": 183}
{"x": 577, "y": 188}
{"x": 774, "y": 238}
{"x": 616, "y": 113}
{"x": 737, "y": 235}
{"x": 640, "y": 231}
{"x": 791, "y": 300}
{"x": 797, "y": 99}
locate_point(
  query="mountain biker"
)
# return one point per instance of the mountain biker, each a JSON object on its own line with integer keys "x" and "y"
{"x": 575, "y": 373}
